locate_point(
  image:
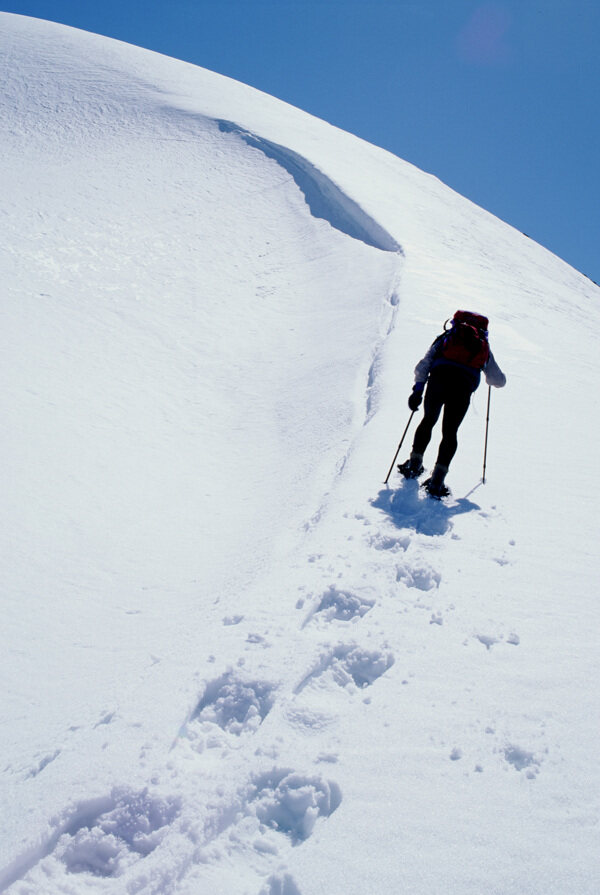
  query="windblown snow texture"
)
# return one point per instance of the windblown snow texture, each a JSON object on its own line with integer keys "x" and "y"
{"x": 232, "y": 660}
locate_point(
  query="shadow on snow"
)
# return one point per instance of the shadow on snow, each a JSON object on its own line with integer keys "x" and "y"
{"x": 407, "y": 509}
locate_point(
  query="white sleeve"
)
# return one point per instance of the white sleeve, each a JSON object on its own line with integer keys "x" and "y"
{"x": 493, "y": 374}
{"x": 424, "y": 366}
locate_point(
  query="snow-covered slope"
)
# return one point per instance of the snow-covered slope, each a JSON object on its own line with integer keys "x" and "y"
{"x": 232, "y": 660}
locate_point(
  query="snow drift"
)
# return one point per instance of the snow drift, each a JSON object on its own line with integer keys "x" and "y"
{"x": 232, "y": 660}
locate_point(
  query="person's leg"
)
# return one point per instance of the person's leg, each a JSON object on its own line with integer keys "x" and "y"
{"x": 455, "y": 409}
{"x": 432, "y": 407}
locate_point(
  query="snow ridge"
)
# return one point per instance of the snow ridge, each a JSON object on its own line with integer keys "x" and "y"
{"x": 323, "y": 197}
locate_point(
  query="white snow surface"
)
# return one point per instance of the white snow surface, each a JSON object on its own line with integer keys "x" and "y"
{"x": 234, "y": 662}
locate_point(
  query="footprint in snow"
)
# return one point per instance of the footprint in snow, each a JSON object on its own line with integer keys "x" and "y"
{"x": 276, "y": 810}
{"x": 395, "y": 544}
{"x": 349, "y": 666}
{"x": 340, "y": 605}
{"x": 105, "y": 836}
{"x": 423, "y": 577}
{"x": 290, "y": 803}
{"x": 232, "y": 704}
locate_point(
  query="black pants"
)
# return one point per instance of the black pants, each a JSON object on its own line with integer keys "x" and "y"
{"x": 448, "y": 387}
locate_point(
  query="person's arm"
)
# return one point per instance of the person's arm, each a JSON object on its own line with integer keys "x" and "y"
{"x": 421, "y": 373}
{"x": 424, "y": 366}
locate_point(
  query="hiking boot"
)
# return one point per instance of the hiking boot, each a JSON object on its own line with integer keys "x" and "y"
{"x": 435, "y": 486}
{"x": 413, "y": 467}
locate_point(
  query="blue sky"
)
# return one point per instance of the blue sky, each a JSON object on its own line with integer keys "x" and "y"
{"x": 499, "y": 99}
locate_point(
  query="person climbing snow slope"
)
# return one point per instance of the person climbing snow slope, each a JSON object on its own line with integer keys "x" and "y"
{"x": 451, "y": 369}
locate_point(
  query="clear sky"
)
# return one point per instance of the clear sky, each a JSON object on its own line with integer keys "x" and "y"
{"x": 499, "y": 99}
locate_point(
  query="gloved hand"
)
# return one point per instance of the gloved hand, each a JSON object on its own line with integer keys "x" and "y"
{"x": 414, "y": 402}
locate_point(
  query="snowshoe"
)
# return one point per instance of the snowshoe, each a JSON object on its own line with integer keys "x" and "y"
{"x": 410, "y": 470}
{"x": 438, "y": 492}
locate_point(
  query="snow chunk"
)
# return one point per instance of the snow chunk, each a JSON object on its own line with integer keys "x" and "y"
{"x": 522, "y": 759}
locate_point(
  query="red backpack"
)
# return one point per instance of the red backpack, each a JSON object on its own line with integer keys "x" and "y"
{"x": 466, "y": 341}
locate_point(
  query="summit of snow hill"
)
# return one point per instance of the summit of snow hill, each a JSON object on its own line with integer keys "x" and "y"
{"x": 233, "y": 660}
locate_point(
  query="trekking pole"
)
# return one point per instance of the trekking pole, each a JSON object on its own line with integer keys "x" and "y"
{"x": 399, "y": 446}
{"x": 487, "y": 423}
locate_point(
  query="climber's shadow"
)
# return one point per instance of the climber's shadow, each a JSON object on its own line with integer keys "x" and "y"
{"x": 408, "y": 507}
